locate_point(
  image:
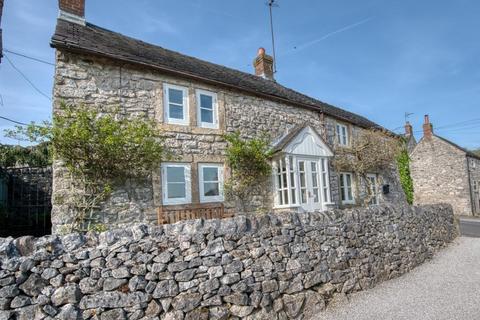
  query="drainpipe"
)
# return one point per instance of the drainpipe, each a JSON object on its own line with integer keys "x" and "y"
{"x": 470, "y": 187}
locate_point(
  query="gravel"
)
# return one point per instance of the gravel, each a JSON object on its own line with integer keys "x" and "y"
{"x": 447, "y": 287}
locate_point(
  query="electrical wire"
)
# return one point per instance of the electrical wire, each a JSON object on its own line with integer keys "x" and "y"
{"x": 29, "y": 57}
{"x": 14, "y": 121}
{"x": 26, "y": 78}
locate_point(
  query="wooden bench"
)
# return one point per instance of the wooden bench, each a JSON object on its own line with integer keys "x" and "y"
{"x": 172, "y": 214}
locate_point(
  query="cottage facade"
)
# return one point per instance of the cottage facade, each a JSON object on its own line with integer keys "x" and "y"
{"x": 196, "y": 103}
{"x": 443, "y": 172}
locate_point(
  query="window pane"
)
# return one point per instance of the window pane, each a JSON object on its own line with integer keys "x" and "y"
{"x": 349, "y": 180}
{"x": 314, "y": 166}
{"x": 284, "y": 180}
{"x": 176, "y": 190}
{"x": 325, "y": 195}
{"x": 323, "y": 165}
{"x": 301, "y": 165}
{"x": 303, "y": 194}
{"x": 285, "y": 196}
{"x": 315, "y": 179}
{"x": 293, "y": 196}
{"x": 292, "y": 180}
{"x": 176, "y": 174}
{"x": 206, "y": 115}
{"x": 315, "y": 194}
{"x": 206, "y": 102}
{"x": 342, "y": 181}
{"x": 280, "y": 198}
{"x": 175, "y": 96}
{"x": 342, "y": 194}
{"x": 175, "y": 112}
{"x": 350, "y": 194}
{"x": 211, "y": 189}
{"x": 210, "y": 174}
{"x": 302, "y": 179}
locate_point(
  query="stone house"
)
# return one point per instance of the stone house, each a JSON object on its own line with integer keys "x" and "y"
{"x": 195, "y": 103}
{"x": 445, "y": 172}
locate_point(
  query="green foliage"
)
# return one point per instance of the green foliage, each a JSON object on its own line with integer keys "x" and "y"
{"x": 99, "y": 150}
{"x": 249, "y": 161}
{"x": 477, "y": 152}
{"x": 403, "y": 163}
{"x": 32, "y": 156}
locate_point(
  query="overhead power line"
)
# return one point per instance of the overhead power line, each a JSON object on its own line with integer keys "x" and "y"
{"x": 29, "y": 57}
{"x": 26, "y": 78}
{"x": 14, "y": 121}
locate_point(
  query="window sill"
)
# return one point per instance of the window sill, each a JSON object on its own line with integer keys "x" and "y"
{"x": 287, "y": 206}
{"x": 187, "y": 128}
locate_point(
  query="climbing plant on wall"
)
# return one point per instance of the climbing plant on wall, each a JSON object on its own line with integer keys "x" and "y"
{"x": 370, "y": 151}
{"x": 403, "y": 163}
{"x": 100, "y": 151}
{"x": 250, "y": 165}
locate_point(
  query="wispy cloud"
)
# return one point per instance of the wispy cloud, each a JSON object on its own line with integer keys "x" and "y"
{"x": 306, "y": 45}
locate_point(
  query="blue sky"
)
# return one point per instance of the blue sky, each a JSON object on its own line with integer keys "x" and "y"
{"x": 378, "y": 58}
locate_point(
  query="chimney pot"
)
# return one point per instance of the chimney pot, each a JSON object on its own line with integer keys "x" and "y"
{"x": 72, "y": 10}
{"x": 263, "y": 64}
{"x": 427, "y": 128}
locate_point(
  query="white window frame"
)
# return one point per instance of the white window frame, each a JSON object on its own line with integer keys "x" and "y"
{"x": 188, "y": 184}
{"x": 201, "y": 124}
{"x": 292, "y": 186}
{"x": 343, "y": 175}
{"x": 201, "y": 187}
{"x": 166, "y": 104}
{"x": 342, "y": 140}
{"x": 325, "y": 177}
{"x": 376, "y": 197}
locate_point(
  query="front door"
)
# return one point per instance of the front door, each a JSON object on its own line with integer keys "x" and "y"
{"x": 309, "y": 183}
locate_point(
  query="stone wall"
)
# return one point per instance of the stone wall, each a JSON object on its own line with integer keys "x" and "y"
{"x": 103, "y": 84}
{"x": 439, "y": 173}
{"x": 276, "y": 266}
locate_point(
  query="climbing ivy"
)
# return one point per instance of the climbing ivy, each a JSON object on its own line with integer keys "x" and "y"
{"x": 403, "y": 162}
{"x": 249, "y": 161}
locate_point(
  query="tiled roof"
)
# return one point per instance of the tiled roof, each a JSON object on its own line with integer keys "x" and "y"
{"x": 95, "y": 40}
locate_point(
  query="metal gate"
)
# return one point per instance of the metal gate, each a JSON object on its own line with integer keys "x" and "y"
{"x": 25, "y": 200}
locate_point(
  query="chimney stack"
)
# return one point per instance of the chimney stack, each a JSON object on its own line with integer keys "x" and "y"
{"x": 263, "y": 64}
{"x": 72, "y": 10}
{"x": 408, "y": 130}
{"x": 427, "y": 128}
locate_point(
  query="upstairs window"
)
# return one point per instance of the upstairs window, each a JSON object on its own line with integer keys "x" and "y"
{"x": 176, "y": 104}
{"x": 346, "y": 190}
{"x": 211, "y": 182}
{"x": 207, "y": 109}
{"x": 176, "y": 183}
{"x": 342, "y": 135}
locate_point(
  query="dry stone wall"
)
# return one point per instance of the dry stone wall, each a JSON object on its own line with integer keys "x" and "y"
{"x": 275, "y": 266}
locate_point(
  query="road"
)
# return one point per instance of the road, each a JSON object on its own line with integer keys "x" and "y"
{"x": 470, "y": 227}
{"x": 444, "y": 288}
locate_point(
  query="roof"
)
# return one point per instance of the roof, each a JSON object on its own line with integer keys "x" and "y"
{"x": 92, "y": 39}
{"x": 468, "y": 152}
{"x": 294, "y": 142}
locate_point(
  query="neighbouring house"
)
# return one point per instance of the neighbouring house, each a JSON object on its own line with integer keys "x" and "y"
{"x": 196, "y": 102}
{"x": 445, "y": 172}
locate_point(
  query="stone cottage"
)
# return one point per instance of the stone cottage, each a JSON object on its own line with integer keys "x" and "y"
{"x": 445, "y": 172}
{"x": 195, "y": 103}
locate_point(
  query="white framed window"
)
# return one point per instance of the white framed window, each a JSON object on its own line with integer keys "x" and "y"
{"x": 342, "y": 134}
{"x": 346, "y": 188}
{"x": 176, "y": 104}
{"x": 176, "y": 183}
{"x": 372, "y": 184}
{"x": 286, "y": 182}
{"x": 210, "y": 182}
{"x": 325, "y": 180}
{"x": 207, "y": 109}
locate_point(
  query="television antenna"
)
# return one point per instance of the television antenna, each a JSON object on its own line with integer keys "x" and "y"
{"x": 407, "y": 115}
{"x": 271, "y": 4}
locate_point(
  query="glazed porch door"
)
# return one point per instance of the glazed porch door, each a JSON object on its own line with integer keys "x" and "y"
{"x": 309, "y": 184}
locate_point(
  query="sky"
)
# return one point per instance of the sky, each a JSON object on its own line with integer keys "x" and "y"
{"x": 377, "y": 58}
